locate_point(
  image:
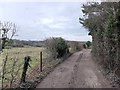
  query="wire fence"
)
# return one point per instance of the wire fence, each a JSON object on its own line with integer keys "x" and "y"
{"x": 12, "y": 65}
{"x": 13, "y": 62}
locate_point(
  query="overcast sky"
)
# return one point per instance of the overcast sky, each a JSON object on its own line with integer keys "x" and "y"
{"x": 40, "y": 20}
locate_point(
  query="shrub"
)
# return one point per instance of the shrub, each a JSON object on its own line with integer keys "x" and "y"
{"x": 57, "y": 47}
{"x": 61, "y": 47}
{"x": 75, "y": 46}
{"x": 88, "y": 44}
{"x": 84, "y": 45}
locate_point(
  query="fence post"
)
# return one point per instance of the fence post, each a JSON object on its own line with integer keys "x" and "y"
{"x": 25, "y": 67}
{"x": 40, "y": 61}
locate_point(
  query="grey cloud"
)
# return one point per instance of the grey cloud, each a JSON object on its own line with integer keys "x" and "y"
{"x": 41, "y": 20}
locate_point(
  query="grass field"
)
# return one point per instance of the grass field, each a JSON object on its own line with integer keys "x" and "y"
{"x": 19, "y": 54}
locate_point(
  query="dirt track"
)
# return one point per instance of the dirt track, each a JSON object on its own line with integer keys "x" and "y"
{"x": 78, "y": 71}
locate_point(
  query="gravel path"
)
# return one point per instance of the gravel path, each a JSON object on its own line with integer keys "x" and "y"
{"x": 78, "y": 71}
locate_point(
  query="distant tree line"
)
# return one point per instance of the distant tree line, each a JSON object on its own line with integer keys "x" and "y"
{"x": 22, "y": 43}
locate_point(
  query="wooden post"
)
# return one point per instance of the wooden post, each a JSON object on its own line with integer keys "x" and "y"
{"x": 40, "y": 61}
{"x": 25, "y": 68}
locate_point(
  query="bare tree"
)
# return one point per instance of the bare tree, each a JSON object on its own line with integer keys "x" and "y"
{"x": 10, "y": 76}
{"x": 4, "y": 70}
{"x": 7, "y": 31}
{"x": 14, "y": 71}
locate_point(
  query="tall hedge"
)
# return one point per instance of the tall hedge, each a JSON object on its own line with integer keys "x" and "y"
{"x": 103, "y": 22}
